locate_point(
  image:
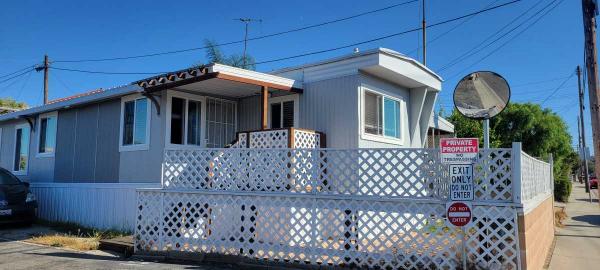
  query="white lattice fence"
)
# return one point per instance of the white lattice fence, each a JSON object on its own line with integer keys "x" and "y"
{"x": 306, "y": 139}
{"x": 323, "y": 229}
{"x": 411, "y": 173}
{"x": 536, "y": 177}
{"x": 278, "y": 138}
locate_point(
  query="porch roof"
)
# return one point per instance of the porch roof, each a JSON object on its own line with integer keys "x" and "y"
{"x": 220, "y": 80}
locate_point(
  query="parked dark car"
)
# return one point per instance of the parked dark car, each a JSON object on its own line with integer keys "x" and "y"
{"x": 17, "y": 203}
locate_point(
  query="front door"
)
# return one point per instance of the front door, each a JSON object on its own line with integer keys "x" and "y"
{"x": 220, "y": 122}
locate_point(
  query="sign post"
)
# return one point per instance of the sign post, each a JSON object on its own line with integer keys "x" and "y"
{"x": 459, "y": 214}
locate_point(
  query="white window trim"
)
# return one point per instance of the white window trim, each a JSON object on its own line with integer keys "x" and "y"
{"x": 186, "y": 97}
{"x": 12, "y": 169}
{"x": 381, "y": 138}
{"x": 135, "y": 147}
{"x": 39, "y": 134}
{"x": 295, "y": 98}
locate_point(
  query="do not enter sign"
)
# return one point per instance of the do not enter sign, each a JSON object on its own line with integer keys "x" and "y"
{"x": 458, "y": 213}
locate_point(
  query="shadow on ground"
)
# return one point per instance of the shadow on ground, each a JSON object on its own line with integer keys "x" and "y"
{"x": 591, "y": 219}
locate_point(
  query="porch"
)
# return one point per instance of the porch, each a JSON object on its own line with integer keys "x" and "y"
{"x": 219, "y": 106}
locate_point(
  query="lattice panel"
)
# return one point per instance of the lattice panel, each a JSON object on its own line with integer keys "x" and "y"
{"x": 410, "y": 173}
{"x": 306, "y": 139}
{"x": 269, "y": 139}
{"x": 536, "y": 177}
{"x": 308, "y": 229}
{"x": 493, "y": 175}
{"x": 493, "y": 238}
{"x": 242, "y": 141}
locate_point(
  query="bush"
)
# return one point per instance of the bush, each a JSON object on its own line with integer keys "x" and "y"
{"x": 562, "y": 189}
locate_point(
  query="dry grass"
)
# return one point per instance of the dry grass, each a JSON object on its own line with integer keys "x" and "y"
{"x": 67, "y": 241}
{"x": 559, "y": 216}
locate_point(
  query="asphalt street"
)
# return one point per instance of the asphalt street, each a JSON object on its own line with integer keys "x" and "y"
{"x": 19, "y": 255}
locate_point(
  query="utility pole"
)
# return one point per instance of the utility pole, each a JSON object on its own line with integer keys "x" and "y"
{"x": 591, "y": 58}
{"x": 424, "y": 26}
{"x": 45, "y": 68}
{"x": 246, "y": 21}
{"x": 585, "y": 166}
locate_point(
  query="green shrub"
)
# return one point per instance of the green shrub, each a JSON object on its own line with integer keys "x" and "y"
{"x": 562, "y": 189}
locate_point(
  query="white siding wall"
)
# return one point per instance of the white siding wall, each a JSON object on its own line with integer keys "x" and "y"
{"x": 330, "y": 106}
{"x": 103, "y": 206}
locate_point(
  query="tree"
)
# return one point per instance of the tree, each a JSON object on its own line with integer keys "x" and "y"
{"x": 215, "y": 55}
{"x": 8, "y": 105}
{"x": 541, "y": 131}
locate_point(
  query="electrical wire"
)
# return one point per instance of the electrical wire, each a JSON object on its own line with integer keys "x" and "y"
{"x": 240, "y": 41}
{"x": 513, "y": 37}
{"x": 477, "y": 48}
{"x": 16, "y": 76}
{"x": 557, "y": 88}
{"x": 17, "y": 71}
{"x": 391, "y": 35}
{"x": 107, "y": 72}
{"x": 319, "y": 51}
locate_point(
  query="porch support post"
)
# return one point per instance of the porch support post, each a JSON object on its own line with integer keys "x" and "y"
{"x": 265, "y": 107}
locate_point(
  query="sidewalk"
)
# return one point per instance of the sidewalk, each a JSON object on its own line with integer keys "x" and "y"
{"x": 578, "y": 243}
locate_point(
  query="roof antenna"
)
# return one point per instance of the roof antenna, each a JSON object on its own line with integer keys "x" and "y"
{"x": 246, "y": 21}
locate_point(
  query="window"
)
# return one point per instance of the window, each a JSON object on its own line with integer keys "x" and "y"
{"x": 135, "y": 124}
{"x": 21, "y": 157}
{"x": 283, "y": 111}
{"x": 381, "y": 115}
{"x": 47, "y": 135}
{"x": 185, "y": 120}
{"x": 221, "y": 122}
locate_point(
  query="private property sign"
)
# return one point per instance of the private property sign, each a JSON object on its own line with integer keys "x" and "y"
{"x": 461, "y": 182}
{"x": 459, "y": 150}
{"x": 458, "y": 213}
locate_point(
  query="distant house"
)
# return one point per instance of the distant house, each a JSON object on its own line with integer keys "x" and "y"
{"x": 89, "y": 152}
{"x": 438, "y": 128}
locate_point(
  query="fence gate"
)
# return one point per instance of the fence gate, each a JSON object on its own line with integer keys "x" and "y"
{"x": 374, "y": 208}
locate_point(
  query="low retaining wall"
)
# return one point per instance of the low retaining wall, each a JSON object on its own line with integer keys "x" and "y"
{"x": 536, "y": 233}
{"x": 96, "y": 205}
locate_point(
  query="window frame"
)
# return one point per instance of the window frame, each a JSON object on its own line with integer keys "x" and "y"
{"x": 281, "y": 99}
{"x": 39, "y": 154}
{"x": 187, "y": 97}
{"x": 135, "y": 147}
{"x": 381, "y": 138}
{"x": 25, "y": 171}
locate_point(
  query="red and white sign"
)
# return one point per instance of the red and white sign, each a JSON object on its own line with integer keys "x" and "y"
{"x": 459, "y": 150}
{"x": 458, "y": 213}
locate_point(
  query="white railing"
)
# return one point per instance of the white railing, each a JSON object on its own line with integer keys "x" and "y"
{"x": 536, "y": 178}
{"x": 313, "y": 229}
{"x": 376, "y": 208}
{"x": 407, "y": 173}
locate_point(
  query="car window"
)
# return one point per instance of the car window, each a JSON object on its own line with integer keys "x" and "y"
{"x": 7, "y": 179}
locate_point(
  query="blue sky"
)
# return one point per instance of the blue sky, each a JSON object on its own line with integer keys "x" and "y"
{"x": 65, "y": 30}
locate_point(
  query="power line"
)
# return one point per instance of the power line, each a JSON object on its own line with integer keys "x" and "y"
{"x": 107, "y": 72}
{"x": 319, "y": 51}
{"x": 514, "y": 36}
{"x": 475, "y": 49}
{"x": 449, "y": 30}
{"x": 16, "y": 76}
{"x": 241, "y": 41}
{"x": 17, "y": 71}
{"x": 391, "y": 35}
{"x": 557, "y": 88}
{"x": 539, "y": 82}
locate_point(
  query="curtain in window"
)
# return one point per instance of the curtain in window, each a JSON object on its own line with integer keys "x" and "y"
{"x": 194, "y": 117}
{"x": 128, "y": 119}
{"x": 47, "y": 135}
{"x": 373, "y": 116}
{"x": 288, "y": 114}
{"x": 21, "y": 149}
